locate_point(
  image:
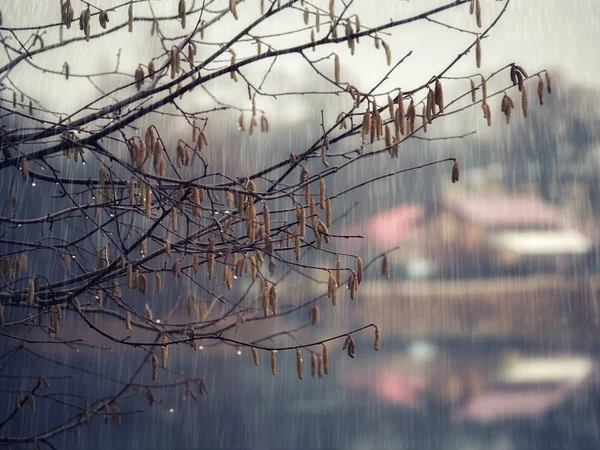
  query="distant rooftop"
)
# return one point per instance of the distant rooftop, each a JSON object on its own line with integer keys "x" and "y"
{"x": 508, "y": 212}
{"x": 390, "y": 227}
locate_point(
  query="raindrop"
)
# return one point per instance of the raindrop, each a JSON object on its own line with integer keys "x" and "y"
{"x": 239, "y": 352}
{"x": 171, "y": 410}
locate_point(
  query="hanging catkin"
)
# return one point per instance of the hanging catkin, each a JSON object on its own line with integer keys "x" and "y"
{"x": 299, "y": 363}
{"x": 337, "y": 69}
{"x": 154, "y": 367}
{"x": 273, "y": 364}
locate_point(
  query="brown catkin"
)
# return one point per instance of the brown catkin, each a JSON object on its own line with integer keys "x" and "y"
{"x": 273, "y": 299}
{"x": 366, "y": 125}
{"x": 455, "y": 171}
{"x": 322, "y": 190}
{"x": 328, "y": 212}
{"x": 299, "y": 363}
{"x": 154, "y": 367}
{"x": 24, "y": 168}
{"x": 130, "y": 18}
{"x": 297, "y": 248}
{"x": 478, "y": 13}
{"x": 325, "y": 360}
{"x": 337, "y": 69}
{"x": 478, "y": 52}
{"x": 233, "y": 9}
{"x": 265, "y": 298}
{"x": 129, "y": 276}
{"x": 273, "y": 364}
{"x": 524, "y": 102}
{"x": 313, "y": 364}
{"x": 483, "y": 89}
{"x": 473, "y": 96}
{"x": 128, "y": 321}
{"x": 388, "y": 52}
{"x": 385, "y": 267}
{"x": 439, "y": 95}
{"x": 548, "y": 82}
{"x": 30, "y": 292}
{"x": 488, "y": 114}
{"x": 267, "y": 219}
{"x": 254, "y": 356}
{"x": 164, "y": 354}
{"x": 377, "y": 342}
{"x": 173, "y": 219}
{"x": 338, "y": 270}
{"x": 359, "y": 269}
{"x": 540, "y": 90}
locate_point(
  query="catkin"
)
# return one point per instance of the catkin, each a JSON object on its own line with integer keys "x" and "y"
{"x": 273, "y": 364}
{"x": 540, "y": 90}
{"x": 337, "y": 69}
{"x": 267, "y": 219}
{"x": 181, "y": 12}
{"x": 130, "y": 18}
{"x": 265, "y": 298}
{"x": 359, "y": 269}
{"x": 366, "y": 125}
{"x": 233, "y": 9}
{"x": 524, "y": 102}
{"x": 273, "y": 299}
{"x": 233, "y": 73}
{"x": 129, "y": 276}
{"x": 128, "y": 321}
{"x": 254, "y": 356}
{"x": 297, "y": 248}
{"x": 30, "y": 292}
{"x": 478, "y": 13}
{"x": 388, "y": 52}
{"x": 473, "y": 96}
{"x": 24, "y": 168}
{"x": 328, "y": 212}
{"x": 325, "y": 360}
{"x": 338, "y": 270}
{"x": 211, "y": 258}
{"x": 488, "y": 114}
{"x": 455, "y": 171}
{"x": 478, "y": 52}
{"x": 385, "y": 267}
{"x": 439, "y": 95}
{"x": 154, "y": 367}
{"x": 483, "y": 89}
{"x": 313, "y": 365}
{"x": 377, "y": 342}
{"x": 299, "y": 363}
{"x": 227, "y": 278}
{"x": 164, "y": 354}
{"x": 548, "y": 82}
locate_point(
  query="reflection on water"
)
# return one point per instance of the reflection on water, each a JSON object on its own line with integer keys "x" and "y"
{"x": 410, "y": 395}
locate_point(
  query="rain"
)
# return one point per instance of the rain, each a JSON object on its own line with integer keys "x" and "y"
{"x": 283, "y": 224}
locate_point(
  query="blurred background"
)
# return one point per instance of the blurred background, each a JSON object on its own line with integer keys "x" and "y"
{"x": 490, "y": 321}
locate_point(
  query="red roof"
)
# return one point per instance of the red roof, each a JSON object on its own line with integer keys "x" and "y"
{"x": 509, "y": 404}
{"x": 391, "y": 385}
{"x": 389, "y": 228}
{"x": 508, "y": 212}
